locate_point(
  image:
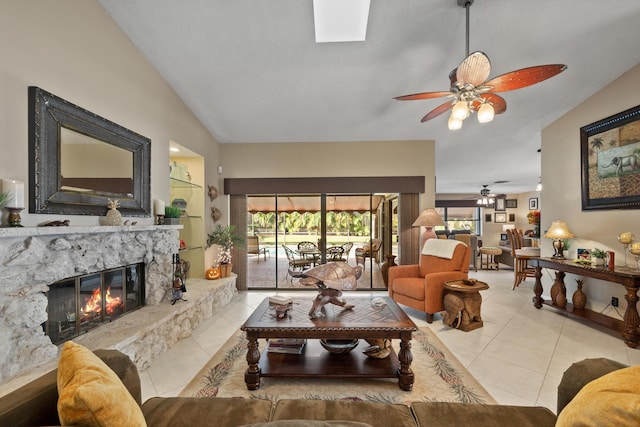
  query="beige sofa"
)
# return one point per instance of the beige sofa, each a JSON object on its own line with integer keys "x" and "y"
{"x": 35, "y": 404}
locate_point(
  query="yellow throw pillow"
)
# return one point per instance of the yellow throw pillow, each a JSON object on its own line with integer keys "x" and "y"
{"x": 91, "y": 394}
{"x": 611, "y": 400}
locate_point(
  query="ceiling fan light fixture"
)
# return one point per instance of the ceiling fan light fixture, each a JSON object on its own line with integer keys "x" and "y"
{"x": 485, "y": 113}
{"x": 454, "y": 124}
{"x": 460, "y": 110}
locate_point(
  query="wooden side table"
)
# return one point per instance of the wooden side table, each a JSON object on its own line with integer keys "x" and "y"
{"x": 487, "y": 257}
{"x": 462, "y": 304}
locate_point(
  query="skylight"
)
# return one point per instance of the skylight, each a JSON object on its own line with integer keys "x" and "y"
{"x": 340, "y": 20}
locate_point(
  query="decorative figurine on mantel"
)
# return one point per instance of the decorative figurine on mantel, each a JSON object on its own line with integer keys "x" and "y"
{"x": 113, "y": 216}
{"x": 332, "y": 278}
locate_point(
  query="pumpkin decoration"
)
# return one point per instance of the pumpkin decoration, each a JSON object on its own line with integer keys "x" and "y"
{"x": 213, "y": 273}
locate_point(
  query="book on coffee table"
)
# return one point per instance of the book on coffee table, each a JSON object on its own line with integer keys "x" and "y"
{"x": 280, "y": 300}
{"x": 286, "y": 345}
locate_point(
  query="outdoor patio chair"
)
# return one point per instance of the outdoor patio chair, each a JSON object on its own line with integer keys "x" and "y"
{"x": 370, "y": 250}
{"x": 310, "y": 251}
{"x": 335, "y": 253}
{"x": 296, "y": 265}
{"x": 253, "y": 248}
{"x": 347, "y": 249}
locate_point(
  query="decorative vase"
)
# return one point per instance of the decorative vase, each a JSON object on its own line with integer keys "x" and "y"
{"x": 556, "y": 287}
{"x": 113, "y": 216}
{"x": 384, "y": 268}
{"x": 561, "y": 299}
{"x": 579, "y": 298}
{"x": 225, "y": 269}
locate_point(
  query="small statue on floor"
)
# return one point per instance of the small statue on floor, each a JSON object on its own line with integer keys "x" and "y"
{"x": 331, "y": 278}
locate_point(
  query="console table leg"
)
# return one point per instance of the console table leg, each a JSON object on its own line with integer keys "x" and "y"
{"x": 405, "y": 374}
{"x": 252, "y": 374}
{"x": 537, "y": 289}
{"x": 631, "y": 318}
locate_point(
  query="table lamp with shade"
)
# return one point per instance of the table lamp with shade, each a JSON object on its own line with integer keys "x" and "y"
{"x": 558, "y": 232}
{"x": 428, "y": 219}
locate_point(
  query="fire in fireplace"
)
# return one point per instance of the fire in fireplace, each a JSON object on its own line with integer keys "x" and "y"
{"x": 78, "y": 304}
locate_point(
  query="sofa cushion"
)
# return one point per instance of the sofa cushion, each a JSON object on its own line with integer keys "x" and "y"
{"x": 90, "y": 393}
{"x": 448, "y": 414}
{"x": 373, "y": 413}
{"x": 611, "y": 400}
{"x": 205, "y": 412}
{"x": 309, "y": 423}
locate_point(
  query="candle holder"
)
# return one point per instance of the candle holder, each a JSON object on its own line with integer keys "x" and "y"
{"x": 14, "y": 217}
{"x": 160, "y": 219}
{"x": 626, "y": 239}
{"x": 634, "y": 249}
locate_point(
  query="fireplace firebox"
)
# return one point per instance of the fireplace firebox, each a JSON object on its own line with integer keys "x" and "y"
{"x": 78, "y": 304}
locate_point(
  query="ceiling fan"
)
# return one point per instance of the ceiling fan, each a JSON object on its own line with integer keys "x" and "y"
{"x": 472, "y": 92}
{"x": 486, "y": 198}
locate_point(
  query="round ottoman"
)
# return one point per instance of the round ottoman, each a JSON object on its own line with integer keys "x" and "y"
{"x": 487, "y": 257}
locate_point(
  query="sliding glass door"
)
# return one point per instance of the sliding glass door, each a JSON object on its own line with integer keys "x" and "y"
{"x": 297, "y": 232}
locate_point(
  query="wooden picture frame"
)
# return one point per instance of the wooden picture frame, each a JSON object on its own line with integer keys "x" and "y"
{"x": 501, "y": 204}
{"x": 533, "y": 203}
{"x": 487, "y": 217}
{"x": 512, "y": 217}
{"x": 512, "y": 203}
{"x": 500, "y": 217}
{"x": 610, "y": 162}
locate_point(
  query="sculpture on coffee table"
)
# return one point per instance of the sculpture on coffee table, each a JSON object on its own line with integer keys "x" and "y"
{"x": 331, "y": 278}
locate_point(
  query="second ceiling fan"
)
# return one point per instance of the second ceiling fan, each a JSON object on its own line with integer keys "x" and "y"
{"x": 472, "y": 92}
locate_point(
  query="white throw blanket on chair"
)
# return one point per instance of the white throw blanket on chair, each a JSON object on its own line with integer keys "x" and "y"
{"x": 442, "y": 248}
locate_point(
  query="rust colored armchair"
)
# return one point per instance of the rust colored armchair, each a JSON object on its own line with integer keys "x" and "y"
{"x": 421, "y": 286}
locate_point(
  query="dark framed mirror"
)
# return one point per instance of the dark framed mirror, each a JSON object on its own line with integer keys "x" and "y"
{"x": 79, "y": 160}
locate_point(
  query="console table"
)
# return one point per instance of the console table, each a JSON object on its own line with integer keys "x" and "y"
{"x": 625, "y": 276}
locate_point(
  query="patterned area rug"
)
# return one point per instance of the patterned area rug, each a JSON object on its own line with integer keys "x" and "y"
{"x": 439, "y": 376}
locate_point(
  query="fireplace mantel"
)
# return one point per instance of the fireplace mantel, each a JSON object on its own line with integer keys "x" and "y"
{"x": 12, "y": 232}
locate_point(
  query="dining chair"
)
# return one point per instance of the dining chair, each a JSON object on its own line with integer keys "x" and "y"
{"x": 521, "y": 267}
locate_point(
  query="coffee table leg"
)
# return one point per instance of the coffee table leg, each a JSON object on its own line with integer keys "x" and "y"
{"x": 252, "y": 374}
{"x": 405, "y": 374}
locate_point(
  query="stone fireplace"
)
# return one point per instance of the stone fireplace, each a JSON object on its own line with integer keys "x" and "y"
{"x": 35, "y": 258}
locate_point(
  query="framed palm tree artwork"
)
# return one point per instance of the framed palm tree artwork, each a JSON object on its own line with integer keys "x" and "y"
{"x": 610, "y": 162}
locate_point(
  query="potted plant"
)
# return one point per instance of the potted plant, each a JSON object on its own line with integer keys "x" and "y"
{"x": 226, "y": 238}
{"x": 172, "y": 215}
{"x": 598, "y": 256}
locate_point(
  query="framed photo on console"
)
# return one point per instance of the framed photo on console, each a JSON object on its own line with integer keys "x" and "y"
{"x": 610, "y": 162}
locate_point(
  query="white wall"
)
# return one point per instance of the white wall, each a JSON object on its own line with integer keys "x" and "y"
{"x": 561, "y": 191}
{"x": 73, "y": 49}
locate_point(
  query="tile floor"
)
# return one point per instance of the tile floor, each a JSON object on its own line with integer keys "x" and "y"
{"x": 518, "y": 356}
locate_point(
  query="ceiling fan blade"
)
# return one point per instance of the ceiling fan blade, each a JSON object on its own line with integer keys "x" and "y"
{"x": 474, "y": 69}
{"x": 437, "y": 111}
{"x": 423, "y": 95}
{"x": 524, "y": 77}
{"x": 498, "y": 102}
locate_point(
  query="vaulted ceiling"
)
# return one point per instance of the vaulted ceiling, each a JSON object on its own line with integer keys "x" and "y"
{"x": 252, "y": 72}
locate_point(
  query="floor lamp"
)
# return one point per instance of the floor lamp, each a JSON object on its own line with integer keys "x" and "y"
{"x": 428, "y": 219}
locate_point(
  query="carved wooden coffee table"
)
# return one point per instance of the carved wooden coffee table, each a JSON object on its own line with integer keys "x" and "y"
{"x": 362, "y": 321}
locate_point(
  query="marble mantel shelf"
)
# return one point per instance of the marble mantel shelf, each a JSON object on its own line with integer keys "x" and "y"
{"x": 10, "y": 232}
